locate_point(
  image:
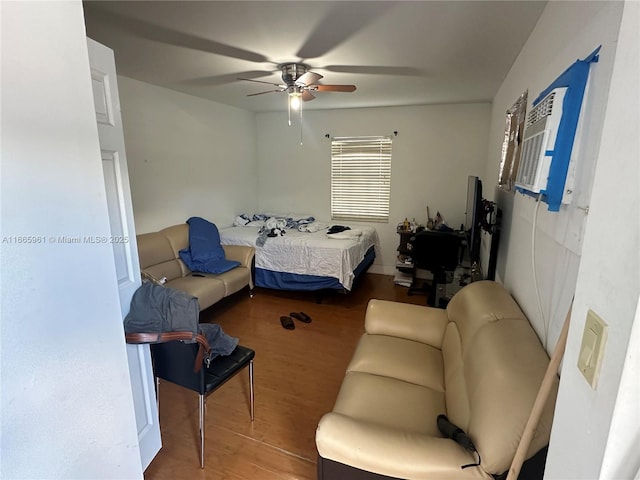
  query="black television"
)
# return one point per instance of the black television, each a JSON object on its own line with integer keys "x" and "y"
{"x": 473, "y": 217}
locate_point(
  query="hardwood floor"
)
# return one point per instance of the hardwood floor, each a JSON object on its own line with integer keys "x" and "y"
{"x": 297, "y": 377}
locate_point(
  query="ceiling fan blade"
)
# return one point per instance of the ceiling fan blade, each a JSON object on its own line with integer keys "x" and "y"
{"x": 95, "y": 14}
{"x": 374, "y": 70}
{"x": 307, "y": 96}
{"x": 262, "y": 93}
{"x": 334, "y": 88}
{"x": 223, "y": 79}
{"x": 341, "y": 22}
{"x": 260, "y": 81}
{"x": 308, "y": 78}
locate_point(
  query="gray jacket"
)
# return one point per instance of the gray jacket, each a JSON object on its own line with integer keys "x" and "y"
{"x": 155, "y": 308}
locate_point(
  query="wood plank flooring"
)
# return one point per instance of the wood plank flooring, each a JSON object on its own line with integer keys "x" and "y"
{"x": 297, "y": 377}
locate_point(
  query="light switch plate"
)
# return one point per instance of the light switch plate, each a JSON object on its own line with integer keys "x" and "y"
{"x": 594, "y": 338}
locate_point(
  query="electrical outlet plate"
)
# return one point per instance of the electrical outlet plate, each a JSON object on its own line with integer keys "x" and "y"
{"x": 594, "y": 338}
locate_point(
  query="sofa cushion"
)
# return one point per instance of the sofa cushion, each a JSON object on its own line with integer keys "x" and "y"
{"x": 394, "y": 357}
{"x": 390, "y": 402}
{"x": 235, "y": 280}
{"x": 391, "y": 452}
{"x": 208, "y": 290}
{"x": 504, "y": 366}
{"x": 494, "y": 365}
{"x": 153, "y": 249}
{"x": 156, "y": 256}
{"x": 482, "y": 303}
{"x": 171, "y": 270}
{"x": 178, "y": 237}
{"x": 458, "y": 409}
{"x": 404, "y": 320}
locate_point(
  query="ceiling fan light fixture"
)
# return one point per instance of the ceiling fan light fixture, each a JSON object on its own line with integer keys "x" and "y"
{"x": 299, "y": 83}
{"x": 295, "y": 100}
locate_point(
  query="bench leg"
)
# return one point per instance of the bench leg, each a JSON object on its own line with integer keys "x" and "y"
{"x": 201, "y": 417}
{"x": 251, "y": 388}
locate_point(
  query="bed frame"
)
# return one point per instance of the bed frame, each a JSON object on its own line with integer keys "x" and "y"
{"x": 301, "y": 261}
{"x": 296, "y": 282}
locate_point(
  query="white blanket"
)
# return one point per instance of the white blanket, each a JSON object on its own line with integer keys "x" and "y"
{"x": 306, "y": 253}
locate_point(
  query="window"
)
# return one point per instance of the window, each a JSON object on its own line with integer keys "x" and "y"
{"x": 360, "y": 178}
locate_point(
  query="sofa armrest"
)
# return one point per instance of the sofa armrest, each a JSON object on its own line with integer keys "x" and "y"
{"x": 405, "y": 320}
{"x": 392, "y": 452}
{"x": 240, "y": 253}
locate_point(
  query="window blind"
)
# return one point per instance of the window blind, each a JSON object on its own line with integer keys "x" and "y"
{"x": 360, "y": 178}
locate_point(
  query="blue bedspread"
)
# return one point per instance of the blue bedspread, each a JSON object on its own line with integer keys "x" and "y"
{"x": 204, "y": 253}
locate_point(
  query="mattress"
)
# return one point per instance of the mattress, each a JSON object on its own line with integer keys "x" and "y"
{"x": 305, "y": 253}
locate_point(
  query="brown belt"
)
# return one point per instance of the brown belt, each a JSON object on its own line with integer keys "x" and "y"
{"x": 156, "y": 337}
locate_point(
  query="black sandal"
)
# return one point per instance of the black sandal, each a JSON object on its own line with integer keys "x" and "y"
{"x": 287, "y": 323}
{"x": 303, "y": 317}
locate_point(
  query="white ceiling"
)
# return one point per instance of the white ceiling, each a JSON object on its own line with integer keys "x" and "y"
{"x": 396, "y": 53}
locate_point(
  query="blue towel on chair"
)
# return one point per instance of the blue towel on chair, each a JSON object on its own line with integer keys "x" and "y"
{"x": 204, "y": 253}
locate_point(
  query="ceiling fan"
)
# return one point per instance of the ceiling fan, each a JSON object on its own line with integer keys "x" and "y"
{"x": 299, "y": 83}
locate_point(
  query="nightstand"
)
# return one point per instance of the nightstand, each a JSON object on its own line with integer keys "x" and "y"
{"x": 404, "y": 262}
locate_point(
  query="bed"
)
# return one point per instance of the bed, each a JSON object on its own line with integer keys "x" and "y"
{"x": 301, "y": 260}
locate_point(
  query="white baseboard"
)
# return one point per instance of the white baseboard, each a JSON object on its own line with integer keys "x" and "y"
{"x": 382, "y": 269}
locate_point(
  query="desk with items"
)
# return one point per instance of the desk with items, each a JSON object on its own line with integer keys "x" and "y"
{"x": 432, "y": 262}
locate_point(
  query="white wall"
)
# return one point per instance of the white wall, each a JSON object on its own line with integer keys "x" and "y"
{"x": 621, "y": 459}
{"x": 566, "y": 31}
{"x": 608, "y": 283}
{"x": 67, "y": 408}
{"x": 594, "y": 255}
{"x": 187, "y": 156}
{"x": 435, "y": 150}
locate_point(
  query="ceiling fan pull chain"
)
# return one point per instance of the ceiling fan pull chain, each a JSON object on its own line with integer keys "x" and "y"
{"x": 301, "y": 123}
{"x": 289, "y": 109}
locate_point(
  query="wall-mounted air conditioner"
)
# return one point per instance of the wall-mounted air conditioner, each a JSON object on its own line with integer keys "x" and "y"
{"x": 548, "y": 160}
{"x": 540, "y": 136}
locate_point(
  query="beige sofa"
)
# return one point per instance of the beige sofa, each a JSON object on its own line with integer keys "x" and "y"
{"x": 479, "y": 362}
{"x": 158, "y": 252}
